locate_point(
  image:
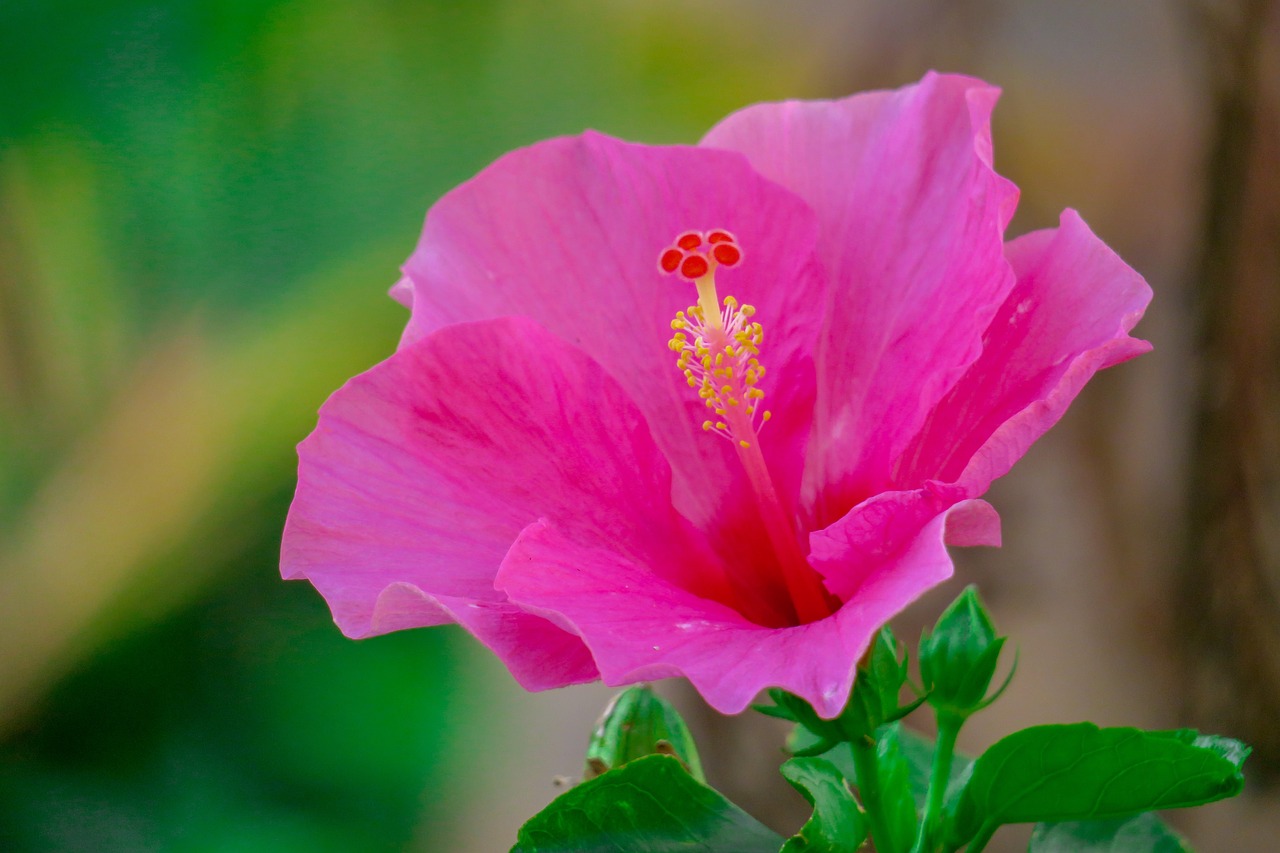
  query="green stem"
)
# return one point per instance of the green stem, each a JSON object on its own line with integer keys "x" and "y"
{"x": 980, "y": 840}
{"x": 868, "y": 775}
{"x": 943, "y": 753}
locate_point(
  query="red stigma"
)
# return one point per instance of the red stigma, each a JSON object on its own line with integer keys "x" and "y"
{"x": 670, "y": 260}
{"x": 695, "y": 253}
{"x": 726, "y": 254}
{"x": 689, "y": 240}
{"x": 694, "y": 266}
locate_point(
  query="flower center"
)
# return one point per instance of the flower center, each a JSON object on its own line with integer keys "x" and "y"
{"x": 718, "y": 347}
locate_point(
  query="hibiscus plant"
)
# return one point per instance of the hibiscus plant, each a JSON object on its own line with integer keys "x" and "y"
{"x": 716, "y": 412}
{"x": 868, "y": 777}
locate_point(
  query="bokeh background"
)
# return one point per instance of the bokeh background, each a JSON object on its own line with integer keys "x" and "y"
{"x": 202, "y": 204}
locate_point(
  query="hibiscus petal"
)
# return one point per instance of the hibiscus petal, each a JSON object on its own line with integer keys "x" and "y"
{"x": 1068, "y": 317}
{"x": 850, "y": 553}
{"x": 424, "y": 470}
{"x": 568, "y": 232}
{"x": 912, "y": 217}
{"x": 641, "y": 628}
{"x": 539, "y": 654}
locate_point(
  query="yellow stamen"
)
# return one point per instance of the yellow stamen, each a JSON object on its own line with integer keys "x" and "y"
{"x": 718, "y": 345}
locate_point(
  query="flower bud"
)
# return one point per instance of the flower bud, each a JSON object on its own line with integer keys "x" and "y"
{"x": 958, "y": 658}
{"x": 636, "y": 723}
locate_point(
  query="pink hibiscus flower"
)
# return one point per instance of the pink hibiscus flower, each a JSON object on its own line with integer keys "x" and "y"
{"x": 857, "y": 355}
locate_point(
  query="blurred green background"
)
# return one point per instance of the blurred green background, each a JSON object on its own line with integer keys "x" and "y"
{"x": 202, "y": 205}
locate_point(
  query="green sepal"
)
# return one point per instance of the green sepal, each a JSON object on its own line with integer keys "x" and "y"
{"x": 1083, "y": 772}
{"x": 876, "y": 687}
{"x": 788, "y": 706}
{"x": 650, "y": 804}
{"x": 801, "y": 742}
{"x": 837, "y": 824}
{"x": 639, "y": 722}
{"x": 1144, "y": 833}
{"x": 817, "y": 747}
{"x": 873, "y": 701}
{"x": 958, "y": 658}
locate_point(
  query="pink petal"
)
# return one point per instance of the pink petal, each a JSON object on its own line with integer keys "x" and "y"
{"x": 1068, "y": 317}
{"x": 539, "y": 654}
{"x": 639, "y": 627}
{"x": 402, "y": 292}
{"x": 912, "y": 217}
{"x": 568, "y": 232}
{"x": 424, "y": 470}
{"x": 867, "y": 540}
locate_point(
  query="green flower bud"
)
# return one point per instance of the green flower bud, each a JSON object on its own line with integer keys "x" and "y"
{"x": 639, "y": 722}
{"x": 958, "y": 659}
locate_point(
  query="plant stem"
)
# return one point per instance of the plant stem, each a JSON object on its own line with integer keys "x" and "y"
{"x": 979, "y": 842}
{"x": 943, "y": 752}
{"x": 868, "y": 775}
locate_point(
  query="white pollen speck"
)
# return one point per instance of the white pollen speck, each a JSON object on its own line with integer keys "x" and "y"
{"x": 655, "y": 648}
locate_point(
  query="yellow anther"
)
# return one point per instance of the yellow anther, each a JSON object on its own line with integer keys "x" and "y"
{"x": 716, "y": 345}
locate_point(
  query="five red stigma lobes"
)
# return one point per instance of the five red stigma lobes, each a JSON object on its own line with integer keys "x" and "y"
{"x": 691, "y": 255}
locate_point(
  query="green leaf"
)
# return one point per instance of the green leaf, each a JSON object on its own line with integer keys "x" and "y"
{"x": 639, "y": 722}
{"x": 650, "y": 805}
{"x": 895, "y": 785}
{"x": 1082, "y": 772}
{"x": 837, "y": 824}
{"x": 1144, "y": 833}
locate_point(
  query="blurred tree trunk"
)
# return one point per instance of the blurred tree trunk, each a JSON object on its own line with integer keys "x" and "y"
{"x": 1229, "y": 578}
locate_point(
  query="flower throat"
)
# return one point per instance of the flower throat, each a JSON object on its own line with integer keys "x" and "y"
{"x": 717, "y": 348}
